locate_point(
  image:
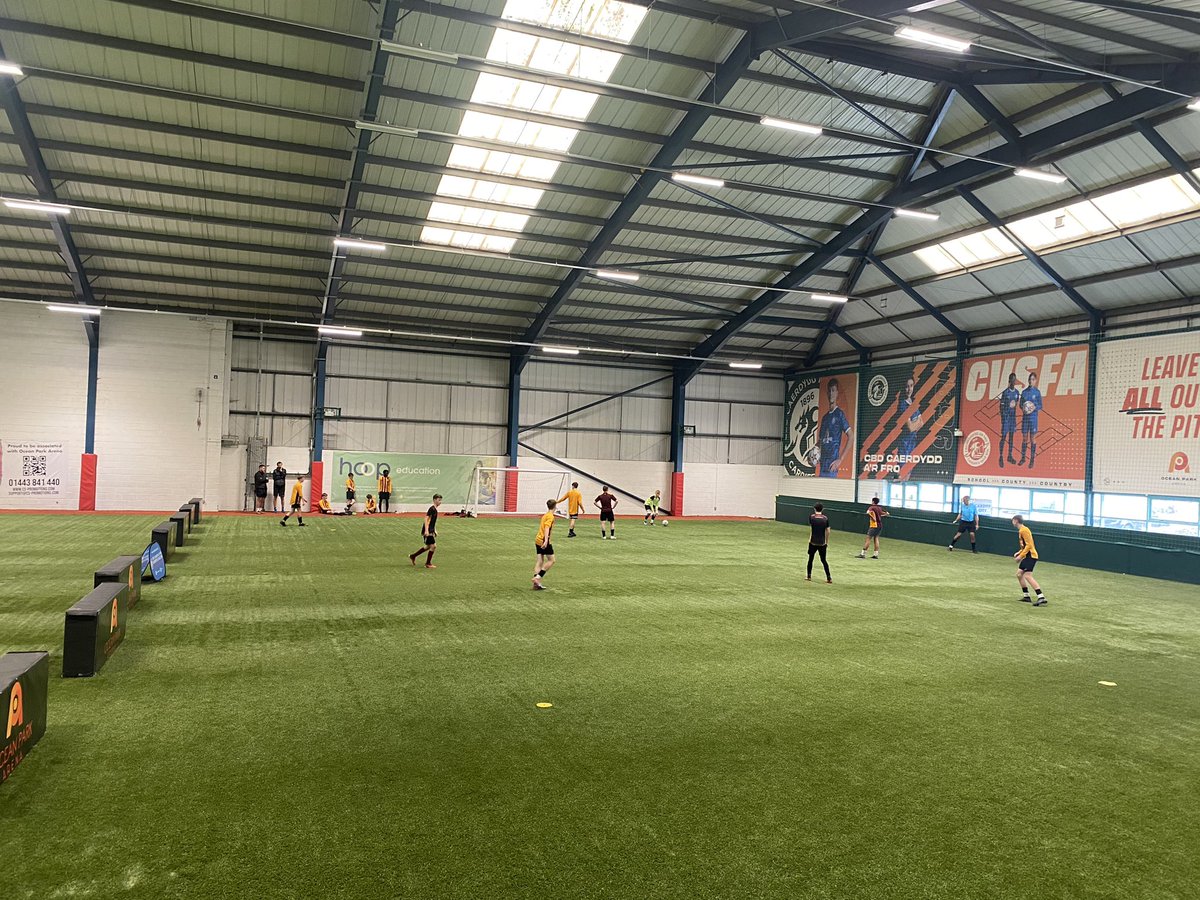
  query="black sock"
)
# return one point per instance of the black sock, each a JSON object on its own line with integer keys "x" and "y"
{"x": 1039, "y": 592}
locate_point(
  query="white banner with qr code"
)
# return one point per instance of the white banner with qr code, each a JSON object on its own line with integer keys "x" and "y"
{"x": 32, "y": 469}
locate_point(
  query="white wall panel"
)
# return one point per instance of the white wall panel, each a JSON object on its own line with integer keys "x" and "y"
{"x": 418, "y": 402}
{"x": 471, "y": 440}
{"x": 567, "y": 376}
{"x": 745, "y": 452}
{"x": 43, "y": 368}
{"x": 408, "y": 365}
{"x": 276, "y": 356}
{"x": 407, "y": 437}
{"x": 645, "y": 413}
{"x": 537, "y": 406}
{"x": 605, "y": 416}
{"x": 484, "y": 405}
{"x": 709, "y": 418}
{"x": 357, "y": 396}
{"x": 293, "y": 394}
{"x": 289, "y": 431}
{"x": 354, "y": 434}
{"x": 594, "y": 444}
{"x": 754, "y": 420}
{"x": 736, "y": 387}
{"x": 160, "y": 410}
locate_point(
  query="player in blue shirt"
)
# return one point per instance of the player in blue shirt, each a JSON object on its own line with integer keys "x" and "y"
{"x": 834, "y": 427}
{"x": 1009, "y": 400}
{"x": 967, "y": 521}
{"x": 1031, "y": 405}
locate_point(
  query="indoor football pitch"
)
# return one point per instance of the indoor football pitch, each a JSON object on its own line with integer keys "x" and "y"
{"x": 299, "y": 713}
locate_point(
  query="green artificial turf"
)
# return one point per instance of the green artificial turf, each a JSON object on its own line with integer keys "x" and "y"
{"x": 298, "y": 713}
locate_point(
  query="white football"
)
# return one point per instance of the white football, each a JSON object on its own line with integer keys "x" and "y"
{"x": 665, "y": 523}
{"x": 1029, "y": 406}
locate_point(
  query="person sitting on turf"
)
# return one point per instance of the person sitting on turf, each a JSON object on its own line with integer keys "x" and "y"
{"x": 370, "y": 508}
{"x": 323, "y": 507}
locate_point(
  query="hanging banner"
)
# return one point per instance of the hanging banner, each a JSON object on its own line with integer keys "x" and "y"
{"x": 819, "y": 416}
{"x": 1024, "y": 419}
{"x": 32, "y": 470}
{"x": 1147, "y": 417}
{"x": 416, "y": 477}
{"x": 906, "y": 418}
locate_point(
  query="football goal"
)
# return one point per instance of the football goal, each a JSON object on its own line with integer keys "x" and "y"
{"x": 533, "y": 487}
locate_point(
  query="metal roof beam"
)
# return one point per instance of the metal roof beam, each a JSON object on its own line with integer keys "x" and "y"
{"x": 916, "y": 297}
{"x": 256, "y": 22}
{"x": 1161, "y": 13}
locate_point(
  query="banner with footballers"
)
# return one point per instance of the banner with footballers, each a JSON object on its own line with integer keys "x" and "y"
{"x": 906, "y": 420}
{"x": 416, "y": 477}
{"x": 819, "y": 415}
{"x": 33, "y": 473}
{"x": 1024, "y": 419}
{"x": 1147, "y": 416}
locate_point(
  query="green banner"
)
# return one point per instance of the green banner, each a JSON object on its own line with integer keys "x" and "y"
{"x": 416, "y": 477}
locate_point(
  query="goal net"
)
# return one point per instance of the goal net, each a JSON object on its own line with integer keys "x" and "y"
{"x": 493, "y": 490}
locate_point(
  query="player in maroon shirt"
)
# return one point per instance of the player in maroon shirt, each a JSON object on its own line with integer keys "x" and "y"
{"x": 875, "y": 514}
{"x": 606, "y": 502}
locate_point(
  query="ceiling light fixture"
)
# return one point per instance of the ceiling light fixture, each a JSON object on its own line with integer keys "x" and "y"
{"x": 831, "y": 298}
{"x": 745, "y": 365}
{"x": 350, "y": 244}
{"x": 418, "y": 52}
{"x": 916, "y": 214}
{"x": 384, "y": 128}
{"x": 941, "y": 41}
{"x": 616, "y": 275}
{"x": 685, "y": 178}
{"x": 7, "y": 68}
{"x": 1195, "y": 104}
{"x": 78, "y": 308}
{"x": 56, "y": 209}
{"x": 1039, "y": 175}
{"x": 789, "y": 125}
{"x": 561, "y": 351}
{"x": 334, "y": 331}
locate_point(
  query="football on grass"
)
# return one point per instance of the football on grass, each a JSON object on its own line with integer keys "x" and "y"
{"x": 665, "y": 523}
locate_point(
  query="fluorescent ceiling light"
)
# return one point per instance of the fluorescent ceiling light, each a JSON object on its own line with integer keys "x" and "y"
{"x": 832, "y": 298}
{"x": 1195, "y": 104}
{"x": 745, "y": 365}
{"x": 562, "y": 351}
{"x": 616, "y": 276}
{"x": 7, "y": 68}
{"x": 940, "y": 41}
{"x": 916, "y": 214}
{"x": 339, "y": 332}
{"x": 56, "y": 209}
{"x": 685, "y": 178}
{"x": 349, "y": 244}
{"x": 386, "y": 129}
{"x": 790, "y": 126}
{"x": 78, "y": 308}
{"x": 1039, "y": 175}
{"x": 418, "y": 52}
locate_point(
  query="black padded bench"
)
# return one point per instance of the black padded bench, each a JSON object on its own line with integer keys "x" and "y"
{"x": 164, "y": 536}
{"x": 24, "y": 681}
{"x": 195, "y": 503}
{"x": 95, "y": 628}
{"x": 181, "y": 521}
{"x": 125, "y": 570}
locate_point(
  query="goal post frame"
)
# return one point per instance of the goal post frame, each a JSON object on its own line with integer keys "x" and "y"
{"x": 511, "y": 475}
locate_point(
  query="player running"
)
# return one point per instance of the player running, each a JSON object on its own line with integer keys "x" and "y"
{"x": 297, "y": 502}
{"x": 1009, "y": 400}
{"x": 967, "y": 521}
{"x": 652, "y": 507}
{"x": 574, "y": 505}
{"x": 875, "y": 514}
{"x": 818, "y": 541}
{"x": 542, "y": 546}
{"x": 607, "y": 504}
{"x": 428, "y": 534}
{"x": 1031, "y": 405}
{"x": 834, "y": 428}
{"x": 1027, "y": 557}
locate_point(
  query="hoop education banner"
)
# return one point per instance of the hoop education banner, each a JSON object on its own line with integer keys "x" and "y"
{"x": 416, "y": 477}
{"x": 1147, "y": 416}
{"x": 32, "y": 471}
{"x": 819, "y": 415}
{"x": 906, "y": 418}
{"x": 1024, "y": 418}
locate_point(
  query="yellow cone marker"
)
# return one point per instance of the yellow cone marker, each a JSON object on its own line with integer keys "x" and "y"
{"x": 544, "y": 705}
{"x": 1109, "y": 683}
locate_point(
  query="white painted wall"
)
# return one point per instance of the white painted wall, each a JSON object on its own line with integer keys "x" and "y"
{"x": 161, "y": 408}
{"x": 43, "y": 370}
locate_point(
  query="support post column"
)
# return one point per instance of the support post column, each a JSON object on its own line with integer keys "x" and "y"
{"x": 515, "y": 367}
{"x": 88, "y": 462}
{"x": 316, "y": 480}
{"x": 678, "y": 414}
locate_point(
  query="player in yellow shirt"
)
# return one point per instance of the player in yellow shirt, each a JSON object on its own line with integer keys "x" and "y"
{"x": 297, "y": 502}
{"x": 324, "y": 507}
{"x": 370, "y": 506}
{"x": 1027, "y": 557}
{"x": 574, "y": 505}
{"x": 543, "y": 547}
{"x": 385, "y": 491}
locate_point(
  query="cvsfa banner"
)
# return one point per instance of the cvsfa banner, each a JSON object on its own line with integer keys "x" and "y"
{"x": 906, "y": 418}
{"x": 32, "y": 469}
{"x": 1024, "y": 418}
{"x": 416, "y": 477}
{"x": 1146, "y": 437}
{"x": 819, "y": 416}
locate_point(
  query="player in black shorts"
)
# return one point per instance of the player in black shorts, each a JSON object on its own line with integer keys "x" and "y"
{"x": 428, "y": 534}
{"x": 279, "y": 480}
{"x": 607, "y": 504}
{"x": 818, "y": 541}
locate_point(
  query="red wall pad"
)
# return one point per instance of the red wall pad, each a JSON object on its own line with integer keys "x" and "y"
{"x": 510, "y": 490}
{"x": 87, "y": 482}
{"x": 316, "y": 484}
{"x": 677, "y": 493}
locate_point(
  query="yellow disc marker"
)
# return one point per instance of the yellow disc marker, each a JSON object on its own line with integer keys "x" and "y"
{"x": 544, "y": 705}
{"x": 1108, "y": 683}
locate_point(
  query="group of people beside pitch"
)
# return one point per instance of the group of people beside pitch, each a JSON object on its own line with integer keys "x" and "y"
{"x": 967, "y": 521}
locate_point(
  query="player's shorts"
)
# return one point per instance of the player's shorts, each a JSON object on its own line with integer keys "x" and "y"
{"x": 1008, "y": 426}
{"x": 873, "y": 532}
{"x": 349, "y": 496}
{"x": 385, "y": 495}
{"x": 967, "y": 526}
{"x": 608, "y": 515}
{"x": 650, "y": 508}
{"x": 296, "y": 507}
{"x": 260, "y": 492}
{"x": 430, "y": 539}
{"x": 1029, "y": 425}
{"x": 548, "y": 550}
{"x": 1027, "y": 564}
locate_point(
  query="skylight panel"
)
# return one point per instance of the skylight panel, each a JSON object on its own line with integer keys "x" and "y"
{"x": 937, "y": 259}
{"x": 609, "y": 19}
{"x": 490, "y": 191}
{"x": 1061, "y": 226}
{"x": 1157, "y": 199}
{"x": 984, "y": 247}
{"x": 520, "y": 132}
{"x": 513, "y": 93}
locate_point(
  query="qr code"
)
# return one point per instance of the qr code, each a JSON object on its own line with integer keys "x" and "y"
{"x": 33, "y": 465}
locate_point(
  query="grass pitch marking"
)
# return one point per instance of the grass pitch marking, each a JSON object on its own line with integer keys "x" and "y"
{"x": 544, "y": 705}
{"x": 1108, "y": 683}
